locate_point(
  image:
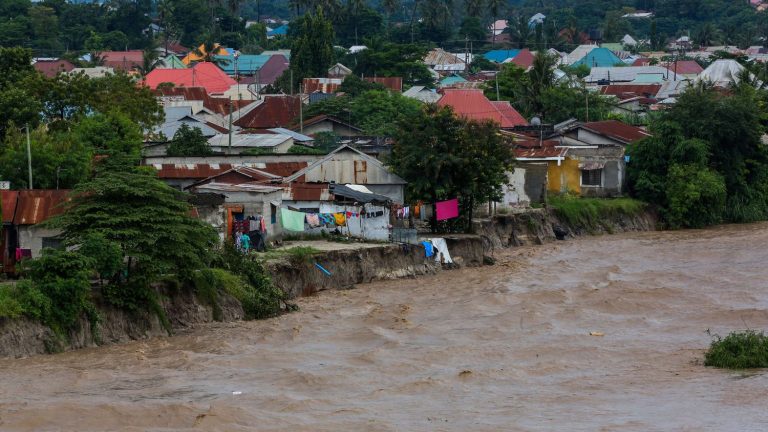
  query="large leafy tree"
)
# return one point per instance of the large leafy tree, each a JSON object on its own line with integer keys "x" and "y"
{"x": 149, "y": 220}
{"x": 188, "y": 141}
{"x": 312, "y": 46}
{"x": 393, "y": 60}
{"x": 705, "y": 162}
{"x": 443, "y": 157}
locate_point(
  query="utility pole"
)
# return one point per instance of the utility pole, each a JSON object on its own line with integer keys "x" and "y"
{"x": 29, "y": 158}
{"x": 301, "y": 112}
{"x": 497, "y": 86}
{"x": 230, "y": 125}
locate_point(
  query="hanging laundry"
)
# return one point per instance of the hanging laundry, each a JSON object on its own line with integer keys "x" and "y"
{"x": 399, "y": 213}
{"x": 428, "y": 248}
{"x": 441, "y": 251}
{"x": 313, "y": 220}
{"x": 340, "y": 219}
{"x": 447, "y": 209}
{"x": 263, "y": 225}
{"x": 245, "y": 242}
{"x": 417, "y": 210}
{"x": 292, "y": 220}
{"x": 253, "y": 224}
{"x": 406, "y": 212}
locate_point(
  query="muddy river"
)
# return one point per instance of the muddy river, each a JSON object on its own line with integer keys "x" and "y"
{"x": 489, "y": 349}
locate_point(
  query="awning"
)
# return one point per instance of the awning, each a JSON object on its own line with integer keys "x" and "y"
{"x": 589, "y": 166}
{"x": 361, "y": 197}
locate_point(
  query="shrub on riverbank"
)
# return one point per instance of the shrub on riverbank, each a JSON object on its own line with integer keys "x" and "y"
{"x": 738, "y": 350}
{"x": 588, "y": 212}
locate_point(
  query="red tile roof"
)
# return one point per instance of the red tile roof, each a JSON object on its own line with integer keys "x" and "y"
{"x": 472, "y": 104}
{"x": 684, "y": 67}
{"x": 631, "y": 90}
{"x": 123, "y": 60}
{"x": 30, "y": 207}
{"x": 274, "y": 111}
{"x": 524, "y": 58}
{"x": 616, "y": 130}
{"x": 51, "y": 68}
{"x": 203, "y": 74}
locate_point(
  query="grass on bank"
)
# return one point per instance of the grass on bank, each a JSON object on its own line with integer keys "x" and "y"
{"x": 589, "y": 211}
{"x": 738, "y": 350}
{"x": 297, "y": 254}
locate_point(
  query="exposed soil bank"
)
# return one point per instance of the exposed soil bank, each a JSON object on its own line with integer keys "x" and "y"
{"x": 347, "y": 268}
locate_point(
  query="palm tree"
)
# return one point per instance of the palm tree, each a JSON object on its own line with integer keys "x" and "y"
{"x": 706, "y": 35}
{"x": 494, "y": 6}
{"x": 473, "y": 7}
{"x": 521, "y": 31}
{"x": 390, "y": 7}
{"x": 354, "y": 7}
{"x": 149, "y": 61}
{"x": 207, "y": 52}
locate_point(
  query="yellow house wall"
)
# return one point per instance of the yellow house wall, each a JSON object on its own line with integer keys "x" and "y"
{"x": 566, "y": 176}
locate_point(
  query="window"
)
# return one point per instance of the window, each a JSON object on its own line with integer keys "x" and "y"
{"x": 52, "y": 242}
{"x": 593, "y": 177}
{"x": 273, "y": 212}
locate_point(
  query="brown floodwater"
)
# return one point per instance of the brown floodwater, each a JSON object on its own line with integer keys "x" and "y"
{"x": 487, "y": 349}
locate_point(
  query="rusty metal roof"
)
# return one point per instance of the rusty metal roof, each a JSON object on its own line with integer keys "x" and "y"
{"x": 616, "y": 130}
{"x": 189, "y": 171}
{"x": 9, "y": 205}
{"x": 219, "y": 105}
{"x": 540, "y": 152}
{"x": 275, "y": 111}
{"x": 35, "y": 206}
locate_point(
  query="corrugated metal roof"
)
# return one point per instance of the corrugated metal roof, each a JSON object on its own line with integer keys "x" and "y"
{"x": 248, "y": 140}
{"x": 599, "y": 57}
{"x": 274, "y": 111}
{"x": 203, "y": 74}
{"x": 9, "y": 205}
{"x": 625, "y": 73}
{"x": 626, "y": 91}
{"x": 35, "y": 206}
{"x": 218, "y": 105}
{"x": 50, "y": 68}
{"x": 617, "y": 130}
{"x": 439, "y": 56}
{"x": 499, "y": 56}
{"x": 243, "y": 187}
{"x": 189, "y": 171}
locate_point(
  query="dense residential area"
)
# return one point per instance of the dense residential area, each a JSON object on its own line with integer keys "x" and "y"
{"x": 235, "y": 151}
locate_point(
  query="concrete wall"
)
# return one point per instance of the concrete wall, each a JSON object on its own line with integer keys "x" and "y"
{"x": 376, "y": 228}
{"x": 564, "y": 177}
{"x": 253, "y": 204}
{"x": 613, "y": 181}
{"x": 31, "y": 237}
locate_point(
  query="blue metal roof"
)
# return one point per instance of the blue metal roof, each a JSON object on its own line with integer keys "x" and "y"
{"x": 599, "y": 57}
{"x": 280, "y": 31}
{"x": 245, "y": 64}
{"x": 498, "y": 56}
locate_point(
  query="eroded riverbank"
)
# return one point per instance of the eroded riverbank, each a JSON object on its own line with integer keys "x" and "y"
{"x": 491, "y": 348}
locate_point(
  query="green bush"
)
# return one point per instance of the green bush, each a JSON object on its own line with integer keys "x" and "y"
{"x": 301, "y": 254}
{"x": 588, "y": 212}
{"x": 10, "y": 307}
{"x": 738, "y": 350}
{"x": 696, "y": 196}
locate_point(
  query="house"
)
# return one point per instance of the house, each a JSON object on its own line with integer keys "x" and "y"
{"x": 345, "y": 165}
{"x": 579, "y": 52}
{"x": 246, "y": 142}
{"x": 527, "y": 182}
{"x": 442, "y": 61}
{"x": 595, "y": 163}
{"x": 627, "y": 74}
{"x": 599, "y": 57}
{"x": 524, "y": 59}
{"x": 339, "y": 71}
{"x": 52, "y": 67}
{"x": 125, "y": 61}
{"x": 273, "y": 111}
{"x": 330, "y": 124}
{"x": 537, "y": 19}
{"x": 279, "y": 31}
{"x": 203, "y": 74}
{"x": 423, "y": 94}
{"x": 472, "y": 104}
{"x": 497, "y": 27}
{"x": 354, "y": 49}
{"x": 283, "y": 52}
{"x": 451, "y": 80}
{"x": 22, "y": 215}
{"x": 683, "y": 69}
{"x": 215, "y": 111}
{"x": 93, "y": 72}
{"x": 265, "y": 69}
{"x": 236, "y": 204}
{"x": 200, "y": 53}
{"x": 626, "y": 91}
{"x": 628, "y": 41}
{"x": 171, "y": 61}
{"x": 177, "y": 116}
{"x": 182, "y": 172}
{"x": 722, "y": 73}
{"x": 331, "y": 85}
{"x": 500, "y": 56}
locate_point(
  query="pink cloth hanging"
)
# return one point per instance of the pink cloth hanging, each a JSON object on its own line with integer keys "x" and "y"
{"x": 447, "y": 209}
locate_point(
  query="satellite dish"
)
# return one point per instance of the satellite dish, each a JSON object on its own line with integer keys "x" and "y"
{"x": 536, "y": 121}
